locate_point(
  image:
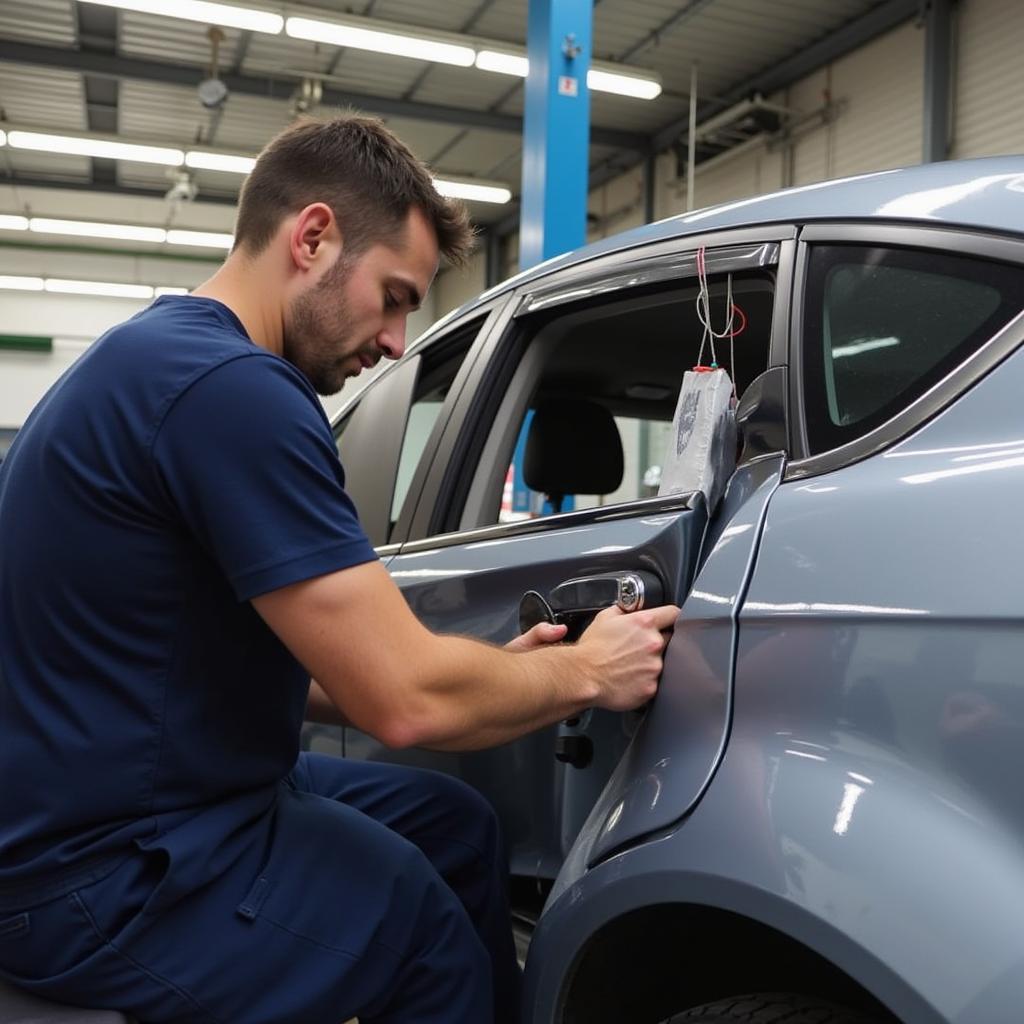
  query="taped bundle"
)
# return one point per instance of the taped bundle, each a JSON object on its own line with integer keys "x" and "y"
{"x": 701, "y": 453}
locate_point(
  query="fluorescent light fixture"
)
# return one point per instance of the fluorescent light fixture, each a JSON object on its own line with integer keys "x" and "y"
{"x": 3, "y": 138}
{"x": 204, "y": 161}
{"x": 502, "y": 63}
{"x": 600, "y": 80}
{"x": 108, "y": 288}
{"x": 90, "y": 229}
{"x": 472, "y": 190}
{"x": 395, "y": 43}
{"x": 123, "y": 232}
{"x": 86, "y": 146}
{"x": 22, "y": 284}
{"x": 203, "y": 239}
{"x": 228, "y": 15}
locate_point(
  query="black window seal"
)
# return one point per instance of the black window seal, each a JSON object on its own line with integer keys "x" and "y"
{"x": 940, "y": 395}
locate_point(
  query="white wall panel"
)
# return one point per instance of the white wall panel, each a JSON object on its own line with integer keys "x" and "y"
{"x": 988, "y": 95}
{"x": 809, "y": 160}
{"x": 750, "y": 173}
{"x": 457, "y": 285}
{"x": 881, "y": 87}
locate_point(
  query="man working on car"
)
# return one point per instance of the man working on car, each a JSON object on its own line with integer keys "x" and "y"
{"x": 177, "y": 558}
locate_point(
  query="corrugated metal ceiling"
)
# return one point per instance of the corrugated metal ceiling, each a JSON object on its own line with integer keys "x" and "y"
{"x": 42, "y": 21}
{"x": 733, "y": 40}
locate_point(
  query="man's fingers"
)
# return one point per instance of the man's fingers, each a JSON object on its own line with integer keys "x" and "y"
{"x": 538, "y": 636}
{"x": 664, "y": 616}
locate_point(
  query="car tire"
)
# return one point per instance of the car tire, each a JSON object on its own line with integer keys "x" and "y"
{"x": 769, "y": 1007}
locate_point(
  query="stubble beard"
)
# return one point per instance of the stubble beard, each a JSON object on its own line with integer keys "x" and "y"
{"x": 316, "y": 341}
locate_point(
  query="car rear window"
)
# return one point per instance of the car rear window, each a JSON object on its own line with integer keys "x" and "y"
{"x": 883, "y": 325}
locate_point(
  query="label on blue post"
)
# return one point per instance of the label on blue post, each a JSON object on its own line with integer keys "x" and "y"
{"x": 568, "y": 86}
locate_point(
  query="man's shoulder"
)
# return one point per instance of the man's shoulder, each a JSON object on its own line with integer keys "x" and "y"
{"x": 170, "y": 346}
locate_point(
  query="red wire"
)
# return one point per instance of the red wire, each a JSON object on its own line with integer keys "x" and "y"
{"x": 743, "y": 318}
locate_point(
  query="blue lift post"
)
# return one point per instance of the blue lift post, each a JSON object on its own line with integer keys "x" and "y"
{"x": 556, "y": 145}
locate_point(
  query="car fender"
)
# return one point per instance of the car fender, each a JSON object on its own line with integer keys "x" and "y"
{"x": 924, "y": 917}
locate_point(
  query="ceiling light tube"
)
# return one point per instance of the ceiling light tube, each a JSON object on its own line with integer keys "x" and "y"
{"x": 92, "y": 229}
{"x": 166, "y": 289}
{"x": 396, "y": 43}
{"x": 203, "y": 239}
{"x": 3, "y": 138}
{"x": 472, "y": 190}
{"x": 636, "y": 86}
{"x": 205, "y": 161}
{"x": 12, "y": 222}
{"x": 227, "y": 15}
{"x": 503, "y": 63}
{"x": 75, "y": 145}
{"x": 107, "y": 288}
{"x": 21, "y": 284}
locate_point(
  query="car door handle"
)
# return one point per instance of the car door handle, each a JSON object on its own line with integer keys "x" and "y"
{"x": 631, "y": 591}
{"x": 576, "y": 601}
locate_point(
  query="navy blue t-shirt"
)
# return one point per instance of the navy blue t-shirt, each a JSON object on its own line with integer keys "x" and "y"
{"x": 174, "y": 472}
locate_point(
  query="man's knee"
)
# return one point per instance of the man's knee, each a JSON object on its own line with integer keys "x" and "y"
{"x": 470, "y": 817}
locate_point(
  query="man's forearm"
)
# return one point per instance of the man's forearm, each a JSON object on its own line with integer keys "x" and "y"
{"x": 472, "y": 695}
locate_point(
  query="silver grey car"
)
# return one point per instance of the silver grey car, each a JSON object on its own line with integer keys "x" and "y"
{"x": 820, "y": 817}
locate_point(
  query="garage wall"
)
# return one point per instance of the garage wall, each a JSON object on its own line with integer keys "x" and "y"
{"x": 455, "y": 286}
{"x": 989, "y": 83}
{"x": 72, "y": 321}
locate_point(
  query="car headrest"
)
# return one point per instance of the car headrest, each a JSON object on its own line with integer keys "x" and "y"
{"x": 573, "y": 448}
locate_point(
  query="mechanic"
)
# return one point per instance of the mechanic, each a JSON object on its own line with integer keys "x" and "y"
{"x": 178, "y": 557}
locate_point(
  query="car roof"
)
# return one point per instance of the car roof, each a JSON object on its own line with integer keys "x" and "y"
{"x": 986, "y": 193}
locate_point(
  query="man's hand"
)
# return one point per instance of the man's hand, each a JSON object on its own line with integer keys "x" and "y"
{"x": 541, "y": 635}
{"x": 625, "y": 654}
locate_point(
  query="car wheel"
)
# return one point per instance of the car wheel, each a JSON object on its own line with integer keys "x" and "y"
{"x": 767, "y": 1008}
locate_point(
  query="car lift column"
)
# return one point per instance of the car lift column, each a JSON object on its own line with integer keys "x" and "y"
{"x": 556, "y": 148}
{"x": 556, "y": 130}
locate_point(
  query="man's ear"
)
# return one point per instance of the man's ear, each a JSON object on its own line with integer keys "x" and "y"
{"x": 314, "y": 240}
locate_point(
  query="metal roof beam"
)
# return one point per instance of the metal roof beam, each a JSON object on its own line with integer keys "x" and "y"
{"x": 122, "y": 67}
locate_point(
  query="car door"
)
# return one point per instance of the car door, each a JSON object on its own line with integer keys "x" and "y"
{"x": 570, "y": 343}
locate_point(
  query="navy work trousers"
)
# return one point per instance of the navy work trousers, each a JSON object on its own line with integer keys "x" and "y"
{"x": 377, "y": 891}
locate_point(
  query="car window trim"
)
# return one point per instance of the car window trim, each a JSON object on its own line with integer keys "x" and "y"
{"x": 658, "y": 505}
{"x": 941, "y": 394}
{"x": 652, "y": 269}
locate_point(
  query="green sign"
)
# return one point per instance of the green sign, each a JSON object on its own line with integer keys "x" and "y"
{"x": 26, "y": 342}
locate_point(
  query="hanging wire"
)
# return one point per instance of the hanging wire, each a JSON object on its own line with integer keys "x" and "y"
{"x": 730, "y": 329}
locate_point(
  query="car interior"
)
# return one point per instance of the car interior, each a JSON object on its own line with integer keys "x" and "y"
{"x": 615, "y": 364}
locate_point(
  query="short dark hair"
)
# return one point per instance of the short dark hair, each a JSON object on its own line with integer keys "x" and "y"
{"x": 359, "y": 168}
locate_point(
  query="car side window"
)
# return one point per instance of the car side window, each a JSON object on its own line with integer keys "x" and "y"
{"x": 586, "y": 416}
{"x": 382, "y": 441}
{"x": 882, "y": 325}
